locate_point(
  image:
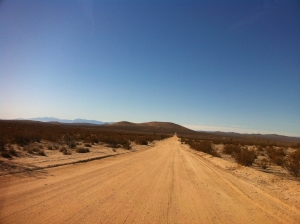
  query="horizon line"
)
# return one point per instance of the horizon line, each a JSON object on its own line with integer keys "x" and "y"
{"x": 198, "y": 128}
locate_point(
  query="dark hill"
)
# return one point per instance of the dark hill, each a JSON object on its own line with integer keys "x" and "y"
{"x": 154, "y": 127}
{"x": 122, "y": 123}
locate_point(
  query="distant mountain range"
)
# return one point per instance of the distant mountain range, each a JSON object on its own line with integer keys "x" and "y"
{"x": 54, "y": 119}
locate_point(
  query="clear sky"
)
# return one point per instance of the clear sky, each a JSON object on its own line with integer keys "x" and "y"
{"x": 208, "y": 65}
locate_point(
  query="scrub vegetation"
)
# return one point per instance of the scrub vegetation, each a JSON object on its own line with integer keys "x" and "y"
{"x": 27, "y": 136}
{"x": 38, "y": 139}
{"x": 248, "y": 154}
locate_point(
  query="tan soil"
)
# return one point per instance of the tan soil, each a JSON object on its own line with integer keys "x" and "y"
{"x": 167, "y": 183}
{"x": 26, "y": 162}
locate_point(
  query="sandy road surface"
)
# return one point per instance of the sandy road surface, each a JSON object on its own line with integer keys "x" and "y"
{"x": 163, "y": 184}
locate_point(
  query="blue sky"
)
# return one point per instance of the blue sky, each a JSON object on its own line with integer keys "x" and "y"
{"x": 208, "y": 65}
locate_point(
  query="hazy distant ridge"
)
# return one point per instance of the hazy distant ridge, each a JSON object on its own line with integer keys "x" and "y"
{"x": 273, "y": 137}
{"x": 79, "y": 120}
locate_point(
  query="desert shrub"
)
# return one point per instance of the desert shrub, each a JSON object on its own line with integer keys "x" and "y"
{"x": 82, "y": 150}
{"x": 111, "y": 141}
{"x": 264, "y": 163}
{"x": 28, "y": 149}
{"x": 141, "y": 141}
{"x": 65, "y": 151}
{"x": 49, "y": 147}
{"x": 69, "y": 140}
{"x": 279, "y": 160}
{"x": 5, "y": 154}
{"x": 72, "y": 144}
{"x": 127, "y": 146}
{"x": 41, "y": 152}
{"x": 205, "y": 147}
{"x": 245, "y": 157}
{"x": 95, "y": 141}
{"x": 87, "y": 145}
{"x": 62, "y": 149}
{"x": 55, "y": 146}
{"x": 292, "y": 164}
{"x": 34, "y": 150}
{"x": 230, "y": 149}
{"x": 281, "y": 152}
{"x": 215, "y": 153}
{"x": 277, "y": 156}
{"x": 11, "y": 150}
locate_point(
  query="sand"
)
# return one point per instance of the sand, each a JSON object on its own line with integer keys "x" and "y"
{"x": 166, "y": 183}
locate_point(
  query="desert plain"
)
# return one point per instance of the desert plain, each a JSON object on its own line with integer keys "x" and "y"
{"x": 163, "y": 183}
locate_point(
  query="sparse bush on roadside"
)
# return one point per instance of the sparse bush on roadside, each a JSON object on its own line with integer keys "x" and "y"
{"x": 141, "y": 141}
{"x": 11, "y": 150}
{"x": 71, "y": 144}
{"x": 230, "y": 149}
{"x": 55, "y": 146}
{"x": 95, "y": 141}
{"x": 34, "y": 150}
{"x": 41, "y": 152}
{"x": 8, "y": 151}
{"x": 49, "y": 147}
{"x": 5, "y": 154}
{"x": 65, "y": 151}
{"x": 127, "y": 146}
{"x": 279, "y": 160}
{"x": 245, "y": 157}
{"x": 205, "y": 147}
{"x": 292, "y": 163}
{"x": 82, "y": 150}
{"x": 264, "y": 163}
{"x": 87, "y": 145}
{"x": 277, "y": 156}
{"x": 69, "y": 140}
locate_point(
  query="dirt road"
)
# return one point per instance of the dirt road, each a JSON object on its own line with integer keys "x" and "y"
{"x": 163, "y": 184}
